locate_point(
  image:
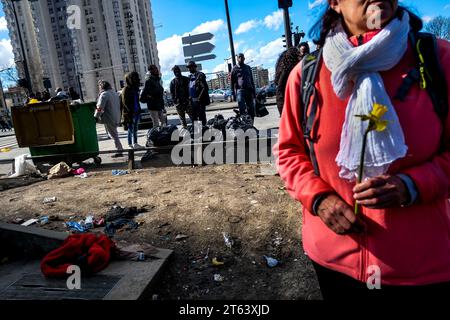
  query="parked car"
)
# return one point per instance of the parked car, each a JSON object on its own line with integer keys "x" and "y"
{"x": 270, "y": 90}
{"x": 220, "y": 95}
{"x": 146, "y": 121}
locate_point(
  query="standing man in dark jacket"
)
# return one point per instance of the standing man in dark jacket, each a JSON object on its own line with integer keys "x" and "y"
{"x": 198, "y": 93}
{"x": 243, "y": 86}
{"x": 179, "y": 89}
{"x": 153, "y": 96}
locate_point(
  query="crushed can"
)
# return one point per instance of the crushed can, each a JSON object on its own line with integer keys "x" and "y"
{"x": 140, "y": 256}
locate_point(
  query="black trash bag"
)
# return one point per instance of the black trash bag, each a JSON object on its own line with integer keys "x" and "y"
{"x": 190, "y": 128}
{"x": 117, "y": 212}
{"x": 218, "y": 122}
{"x": 260, "y": 109}
{"x": 149, "y": 155}
{"x": 161, "y": 136}
{"x": 243, "y": 122}
{"x": 118, "y": 217}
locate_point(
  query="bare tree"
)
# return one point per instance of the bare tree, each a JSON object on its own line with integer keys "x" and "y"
{"x": 440, "y": 27}
{"x": 9, "y": 73}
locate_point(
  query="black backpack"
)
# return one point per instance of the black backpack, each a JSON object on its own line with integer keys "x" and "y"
{"x": 428, "y": 72}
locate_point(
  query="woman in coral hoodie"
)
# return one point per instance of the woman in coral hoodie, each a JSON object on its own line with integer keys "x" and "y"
{"x": 400, "y": 240}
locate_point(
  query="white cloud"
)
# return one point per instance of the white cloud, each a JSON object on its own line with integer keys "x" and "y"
{"x": 427, "y": 19}
{"x": 209, "y": 26}
{"x": 274, "y": 20}
{"x": 3, "y": 24}
{"x": 316, "y": 4}
{"x": 221, "y": 68}
{"x": 266, "y": 55}
{"x": 170, "y": 52}
{"x": 247, "y": 26}
{"x": 271, "y": 51}
{"x": 6, "y": 53}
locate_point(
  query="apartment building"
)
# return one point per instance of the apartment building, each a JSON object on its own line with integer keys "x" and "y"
{"x": 75, "y": 43}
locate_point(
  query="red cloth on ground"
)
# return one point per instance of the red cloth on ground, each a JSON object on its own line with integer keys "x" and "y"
{"x": 91, "y": 253}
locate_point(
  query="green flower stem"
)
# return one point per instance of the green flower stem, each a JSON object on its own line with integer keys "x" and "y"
{"x": 361, "y": 165}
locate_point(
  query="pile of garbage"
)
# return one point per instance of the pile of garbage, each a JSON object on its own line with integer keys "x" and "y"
{"x": 117, "y": 218}
{"x": 63, "y": 170}
{"x": 24, "y": 167}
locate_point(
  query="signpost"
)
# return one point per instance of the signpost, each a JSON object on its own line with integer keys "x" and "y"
{"x": 202, "y": 58}
{"x": 197, "y": 38}
{"x": 196, "y": 48}
{"x": 184, "y": 68}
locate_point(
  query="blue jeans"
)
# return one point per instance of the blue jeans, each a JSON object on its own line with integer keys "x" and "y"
{"x": 245, "y": 102}
{"x": 133, "y": 131}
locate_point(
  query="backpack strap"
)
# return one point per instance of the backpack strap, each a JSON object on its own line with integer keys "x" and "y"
{"x": 310, "y": 68}
{"x": 428, "y": 73}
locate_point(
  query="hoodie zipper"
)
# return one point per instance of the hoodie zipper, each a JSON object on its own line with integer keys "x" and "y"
{"x": 360, "y": 40}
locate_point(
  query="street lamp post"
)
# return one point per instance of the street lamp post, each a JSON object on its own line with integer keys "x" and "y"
{"x": 230, "y": 34}
{"x": 25, "y": 64}
{"x": 287, "y": 27}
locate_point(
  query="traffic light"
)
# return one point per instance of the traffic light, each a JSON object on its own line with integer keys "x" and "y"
{"x": 284, "y": 4}
{"x": 297, "y": 39}
{"x": 284, "y": 40}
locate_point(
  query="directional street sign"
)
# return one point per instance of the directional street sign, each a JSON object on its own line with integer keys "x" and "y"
{"x": 202, "y": 58}
{"x": 183, "y": 67}
{"x": 197, "y": 38}
{"x": 198, "y": 49}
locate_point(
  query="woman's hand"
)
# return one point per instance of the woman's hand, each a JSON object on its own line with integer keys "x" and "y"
{"x": 381, "y": 192}
{"x": 339, "y": 216}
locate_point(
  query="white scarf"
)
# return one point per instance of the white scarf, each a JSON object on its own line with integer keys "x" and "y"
{"x": 355, "y": 74}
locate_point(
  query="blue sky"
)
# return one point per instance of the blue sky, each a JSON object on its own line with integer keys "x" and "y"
{"x": 257, "y": 28}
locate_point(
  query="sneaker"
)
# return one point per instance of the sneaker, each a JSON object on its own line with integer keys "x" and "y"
{"x": 117, "y": 155}
{"x": 130, "y": 146}
{"x": 137, "y": 146}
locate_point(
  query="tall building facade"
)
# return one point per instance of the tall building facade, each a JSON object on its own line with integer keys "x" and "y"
{"x": 260, "y": 76}
{"x": 222, "y": 79}
{"x": 78, "y": 42}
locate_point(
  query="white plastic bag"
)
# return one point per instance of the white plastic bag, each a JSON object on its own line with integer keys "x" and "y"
{"x": 23, "y": 167}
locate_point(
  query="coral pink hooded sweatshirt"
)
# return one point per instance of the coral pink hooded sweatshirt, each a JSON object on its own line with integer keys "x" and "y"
{"x": 411, "y": 245}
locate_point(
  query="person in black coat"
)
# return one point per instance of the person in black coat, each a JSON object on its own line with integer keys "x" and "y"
{"x": 179, "y": 89}
{"x": 153, "y": 96}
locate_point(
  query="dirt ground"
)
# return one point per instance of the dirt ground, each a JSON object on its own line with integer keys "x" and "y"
{"x": 201, "y": 203}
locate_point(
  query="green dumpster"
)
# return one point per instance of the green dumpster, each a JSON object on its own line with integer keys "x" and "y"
{"x": 85, "y": 145}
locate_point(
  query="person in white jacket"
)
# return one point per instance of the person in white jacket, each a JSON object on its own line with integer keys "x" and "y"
{"x": 108, "y": 112}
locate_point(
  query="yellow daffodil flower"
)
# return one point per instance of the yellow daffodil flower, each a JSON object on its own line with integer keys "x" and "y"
{"x": 374, "y": 118}
{"x": 375, "y": 124}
